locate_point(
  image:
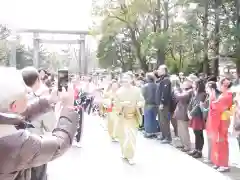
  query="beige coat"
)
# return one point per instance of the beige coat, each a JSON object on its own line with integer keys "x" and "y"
{"x": 20, "y": 149}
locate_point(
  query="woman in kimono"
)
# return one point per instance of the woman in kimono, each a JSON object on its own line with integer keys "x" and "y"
{"x": 128, "y": 100}
{"x": 112, "y": 116}
{"x": 219, "y": 120}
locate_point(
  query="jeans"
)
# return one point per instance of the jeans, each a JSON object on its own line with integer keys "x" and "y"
{"x": 150, "y": 122}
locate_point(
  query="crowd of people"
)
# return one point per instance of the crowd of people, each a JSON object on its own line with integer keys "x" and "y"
{"x": 38, "y": 123}
{"x": 197, "y": 103}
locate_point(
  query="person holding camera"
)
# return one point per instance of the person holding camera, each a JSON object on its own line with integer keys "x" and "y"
{"x": 20, "y": 149}
{"x": 218, "y": 124}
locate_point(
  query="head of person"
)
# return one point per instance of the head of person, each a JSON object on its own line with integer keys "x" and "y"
{"x": 224, "y": 84}
{"x": 13, "y": 91}
{"x": 199, "y": 86}
{"x": 31, "y": 78}
{"x": 192, "y": 78}
{"x": 186, "y": 85}
{"x": 162, "y": 70}
{"x": 150, "y": 77}
{"x": 127, "y": 80}
{"x": 181, "y": 74}
{"x": 43, "y": 74}
{"x": 210, "y": 86}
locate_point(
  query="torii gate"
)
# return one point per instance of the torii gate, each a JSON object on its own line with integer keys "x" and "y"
{"x": 82, "y": 68}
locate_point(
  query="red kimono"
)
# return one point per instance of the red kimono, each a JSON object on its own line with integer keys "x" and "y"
{"x": 76, "y": 92}
{"x": 218, "y": 129}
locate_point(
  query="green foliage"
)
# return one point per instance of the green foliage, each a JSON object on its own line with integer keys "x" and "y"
{"x": 197, "y": 31}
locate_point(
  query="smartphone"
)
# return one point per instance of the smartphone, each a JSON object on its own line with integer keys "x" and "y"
{"x": 63, "y": 79}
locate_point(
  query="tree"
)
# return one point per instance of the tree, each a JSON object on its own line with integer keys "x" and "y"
{"x": 190, "y": 35}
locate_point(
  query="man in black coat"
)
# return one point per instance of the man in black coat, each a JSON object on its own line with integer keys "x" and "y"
{"x": 163, "y": 101}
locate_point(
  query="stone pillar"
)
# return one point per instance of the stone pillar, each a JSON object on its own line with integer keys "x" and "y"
{"x": 13, "y": 47}
{"x": 36, "y": 50}
{"x": 81, "y": 56}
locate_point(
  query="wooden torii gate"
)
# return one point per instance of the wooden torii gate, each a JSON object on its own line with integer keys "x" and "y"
{"x": 82, "y": 64}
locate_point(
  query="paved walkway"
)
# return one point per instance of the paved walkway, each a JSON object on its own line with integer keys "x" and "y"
{"x": 99, "y": 158}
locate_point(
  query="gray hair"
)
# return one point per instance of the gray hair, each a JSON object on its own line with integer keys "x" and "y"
{"x": 164, "y": 67}
{"x": 12, "y": 86}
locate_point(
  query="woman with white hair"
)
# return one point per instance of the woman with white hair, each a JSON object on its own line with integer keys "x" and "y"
{"x": 20, "y": 149}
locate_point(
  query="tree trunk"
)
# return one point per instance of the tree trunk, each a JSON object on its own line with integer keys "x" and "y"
{"x": 137, "y": 46}
{"x": 237, "y": 5}
{"x": 217, "y": 38}
{"x": 161, "y": 52}
{"x": 205, "y": 39}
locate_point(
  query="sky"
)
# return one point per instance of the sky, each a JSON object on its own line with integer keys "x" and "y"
{"x": 46, "y": 14}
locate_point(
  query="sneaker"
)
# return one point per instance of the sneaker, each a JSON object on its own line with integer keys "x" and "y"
{"x": 159, "y": 137}
{"x": 223, "y": 169}
{"x": 215, "y": 167}
{"x": 165, "y": 141}
{"x": 207, "y": 161}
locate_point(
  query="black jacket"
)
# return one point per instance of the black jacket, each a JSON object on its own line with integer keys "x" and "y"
{"x": 164, "y": 91}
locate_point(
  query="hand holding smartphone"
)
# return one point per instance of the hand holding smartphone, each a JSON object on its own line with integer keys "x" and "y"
{"x": 63, "y": 79}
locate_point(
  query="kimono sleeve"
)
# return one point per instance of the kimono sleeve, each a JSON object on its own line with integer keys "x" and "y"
{"x": 223, "y": 103}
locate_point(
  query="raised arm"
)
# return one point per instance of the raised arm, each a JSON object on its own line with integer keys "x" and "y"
{"x": 37, "y": 150}
{"x": 222, "y": 103}
{"x": 181, "y": 95}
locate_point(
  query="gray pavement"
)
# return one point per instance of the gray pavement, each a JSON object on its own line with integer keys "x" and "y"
{"x": 99, "y": 158}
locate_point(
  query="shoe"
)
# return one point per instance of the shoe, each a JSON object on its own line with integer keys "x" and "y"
{"x": 131, "y": 162}
{"x": 207, "y": 161}
{"x": 179, "y": 147}
{"x": 165, "y": 141}
{"x": 223, "y": 169}
{"x": 215, "y": 167}
{"x": 114, "y": 140}
{"x": 160, "y": 138}
{"x": 191, "y": 153}
{"x": 197, "y": 155}
{"x": 148, "y": 135}
{"x": 185, "y": 150}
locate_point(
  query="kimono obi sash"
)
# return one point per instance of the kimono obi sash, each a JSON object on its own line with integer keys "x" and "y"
{"x": 225, "y": 116}
{"x": 129, "y": 112}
